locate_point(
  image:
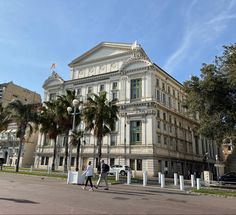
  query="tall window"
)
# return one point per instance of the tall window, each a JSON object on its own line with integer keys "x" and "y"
{"x": 132, "y": 164}
{"x": 136, "y": 88}
{"x": 112, "y": 161}
{"x": 113, "y": 140}
{"x": 139, "y": 164}
{"x": 102, "y": 87}
{"x": 158, "y": 96}
{"x": 114, "y": 85}
{"x": 114, "y": 95}
{"x": 135, "y": 131}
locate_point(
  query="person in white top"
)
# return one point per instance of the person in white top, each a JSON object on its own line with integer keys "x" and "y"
{"x": 89, "y": 174}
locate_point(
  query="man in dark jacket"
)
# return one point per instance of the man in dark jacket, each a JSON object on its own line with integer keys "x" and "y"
{"x": 103, "y": 175}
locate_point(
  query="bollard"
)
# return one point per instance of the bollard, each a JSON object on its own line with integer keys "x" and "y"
{"x": 175, "y": 179}
{"x": 192, "y": 181}
{"x": 128, "y": 178}
{"x": 145, "y": 178}
{"x": 117, "y": 175}
{"x": 198, "y": 184}
{"x": 159, "y": 177}
{"x": 181, "y": 182}
{"x": 31, "y": 168}
{"x": 162, "y": 180}
{"x": 49, "y": 170}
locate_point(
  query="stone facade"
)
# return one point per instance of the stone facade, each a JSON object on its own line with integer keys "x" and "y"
{"x": 154, "y": 131}
{"x": 8, "y": 140}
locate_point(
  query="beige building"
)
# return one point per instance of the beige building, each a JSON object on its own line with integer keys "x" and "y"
{"x": 154, "y": 131}
{"x": 8, "y": 140}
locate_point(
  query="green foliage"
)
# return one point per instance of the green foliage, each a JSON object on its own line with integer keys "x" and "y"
{"x": 4, "y": 118}
{"x": 213, "y": 96}
{"x": 100, "y": 115}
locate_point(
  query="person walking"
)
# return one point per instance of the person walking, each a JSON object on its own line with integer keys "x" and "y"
{"x": 89, "y": 174}
{"x": 103, "y": 175}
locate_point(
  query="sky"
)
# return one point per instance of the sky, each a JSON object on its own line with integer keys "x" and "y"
{"x": 177, "y": 35}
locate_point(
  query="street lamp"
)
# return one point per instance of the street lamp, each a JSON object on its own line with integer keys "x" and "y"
{"x": 76, "y": 110}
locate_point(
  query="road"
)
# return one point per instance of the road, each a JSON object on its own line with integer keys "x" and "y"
{"x": 22, "y": 194}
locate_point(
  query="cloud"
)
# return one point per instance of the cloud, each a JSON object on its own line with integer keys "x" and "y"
{"x": 198, "y": 33}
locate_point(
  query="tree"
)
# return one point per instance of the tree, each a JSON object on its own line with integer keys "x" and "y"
{"x": 49, "y": 124}
{"x": 76, "y": 141}
{"x": 100, "y": 115}
{"x": 213, "y": 96}
{"x": 65, "y": 119}
{"x": 4, "y": 118}
{"x": 25, "y": 115}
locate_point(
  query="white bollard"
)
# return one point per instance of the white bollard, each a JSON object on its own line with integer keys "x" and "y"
{"x": 31, "y": 168}
{"x": 145, "y": 178}
{"x": 162, "y": 180}
{"x": 159, "y": 177}
{"x": 117, "y": 175}
{"x": 192, "y": 181}
{"x": 49, "y": 170}
{"x": 181, "y": 182}
{"x": 128, "y": 178}
{"x": 175, "y": 179}
{"x": 198, "y": 184}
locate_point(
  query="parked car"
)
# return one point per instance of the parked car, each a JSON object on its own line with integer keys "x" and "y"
{"x": 228, "y": 178}
{"x": 121, "y": 169}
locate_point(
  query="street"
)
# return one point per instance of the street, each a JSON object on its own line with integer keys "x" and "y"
{"x": 23, "y": 194}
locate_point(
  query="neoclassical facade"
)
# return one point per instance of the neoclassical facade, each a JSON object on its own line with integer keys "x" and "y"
{"x": 154, "y": 131}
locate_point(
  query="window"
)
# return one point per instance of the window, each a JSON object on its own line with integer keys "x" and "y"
{"x": 139, "y": 164}
{"x": 60, "y": 161}
{"x": 135, "y": 131}
{"x": 78, "y": 92}
{"x": 158, "y": 95}
{"x": 52, "y": 96}
{"x": 168, "y": 89}
{"x": 164, "y": 98}
{"x": 163, "y": 86}
{"x": 42, "y": 160}
{"x": 102, "y": 87}
{"x": 158, "y": 124}
{"x": 114, "y": 85}
{"x": 136, "y": 88}
{"x": 46, "y": 140}
{"x": 72, "y": 162}
{"x": 90, "y": 90}
{"x": 157, "y": 83}
{"x": 132, "y": 164}
{"x": 164, "y": 126}
{"x": 158, "y": 113}
{"x": 165, "y": 140}
{"x": 164, "y": 116}
{"x": 113, "y": 140}
{"x": 159, "y": 139}
{"x": 46, "y": 160}
{"x": 114, "y": 95}
{"x": 112, "y": 161}
{"x": 170, "y": 103}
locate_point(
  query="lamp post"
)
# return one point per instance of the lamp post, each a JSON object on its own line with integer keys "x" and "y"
{"x": 76, "y": 110}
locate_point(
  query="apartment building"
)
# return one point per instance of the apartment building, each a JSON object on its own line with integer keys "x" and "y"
{"x": 8, "y": 140}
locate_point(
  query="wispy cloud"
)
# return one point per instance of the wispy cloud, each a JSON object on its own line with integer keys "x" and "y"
{"x": 199, "y": 32}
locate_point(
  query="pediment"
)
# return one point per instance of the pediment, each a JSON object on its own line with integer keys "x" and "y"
{"x": 53, "y": 79}
{"x": 102, "y": 51}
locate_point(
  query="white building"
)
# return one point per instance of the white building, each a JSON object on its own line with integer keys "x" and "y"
{"x": 154, "y": 132}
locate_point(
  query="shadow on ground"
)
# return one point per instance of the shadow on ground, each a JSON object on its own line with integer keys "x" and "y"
{"x": 19, "y": 200}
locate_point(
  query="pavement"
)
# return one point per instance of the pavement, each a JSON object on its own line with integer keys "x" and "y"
{"x": 24, "y": 194}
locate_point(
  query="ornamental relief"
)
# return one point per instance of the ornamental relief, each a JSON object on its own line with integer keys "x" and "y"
{"x": 96, "y": 70}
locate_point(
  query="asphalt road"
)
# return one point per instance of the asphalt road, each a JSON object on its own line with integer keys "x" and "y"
{"x": 21, "y": 194}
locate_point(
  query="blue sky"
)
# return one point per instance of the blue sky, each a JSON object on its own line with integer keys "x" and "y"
{"x": 178, "y": 35}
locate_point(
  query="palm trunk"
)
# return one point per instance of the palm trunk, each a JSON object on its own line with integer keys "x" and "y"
{"x": 66, "y": 154}
{"x": 19, "y": 154}
{"x": 77, "y": 156}
{"x": 54, "y": 154}
{"x": 99, "y": 141}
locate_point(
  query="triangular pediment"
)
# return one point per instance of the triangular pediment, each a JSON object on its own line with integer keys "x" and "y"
{"x": 102, "y": 51}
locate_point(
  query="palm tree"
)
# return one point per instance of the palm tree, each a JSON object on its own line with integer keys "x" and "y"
{"x": 65, "y": 121}
{"x": 24, "y": 115}
{"x": 100, "y": 115}
{"x": 76, "y": 141}
{"x": 4, "y": 118}
{"x": 49, "y": 125}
